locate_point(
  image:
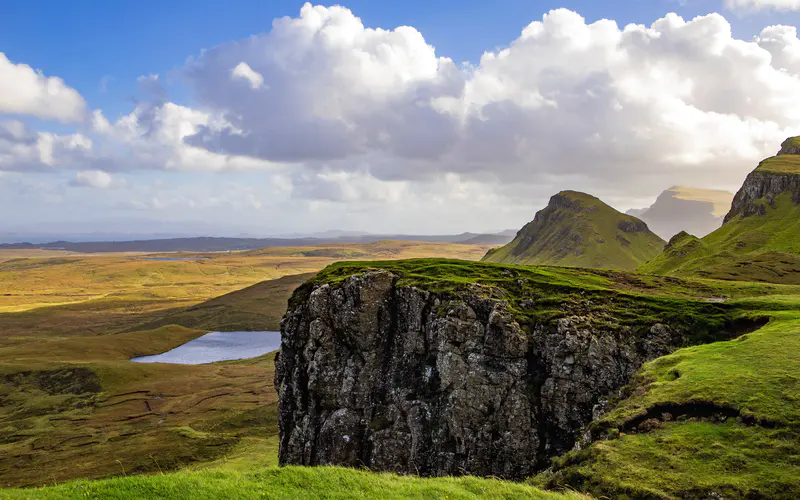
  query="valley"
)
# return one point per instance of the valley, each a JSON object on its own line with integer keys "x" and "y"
{"x": 75, "y": 407}
{"x": 585, "y": 357}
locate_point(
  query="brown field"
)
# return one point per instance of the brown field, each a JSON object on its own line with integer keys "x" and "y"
{"x": 73, "y": 405}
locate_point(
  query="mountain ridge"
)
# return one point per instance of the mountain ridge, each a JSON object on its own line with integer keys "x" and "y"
{"x": 760, "y": 236}
{"x": 578, "y": 229}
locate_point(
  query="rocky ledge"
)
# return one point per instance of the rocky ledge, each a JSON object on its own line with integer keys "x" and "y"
{"x": 397, "y": 378}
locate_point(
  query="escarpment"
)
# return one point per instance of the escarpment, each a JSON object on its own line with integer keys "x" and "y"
{"x": 773, "y": 177}
{"x": 376, "y": 372}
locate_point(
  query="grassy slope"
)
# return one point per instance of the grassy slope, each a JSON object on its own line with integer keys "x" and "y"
{"x": 210, "y": 414}
{"x": 142, "y": 417}
{"x": 782, "y": 164}
{"x": 722, "y": 417}
{"x": 588, "y": 237}
{"x": 755, "y": 248}
{"x": 289, "y": 482}
{"x": 692, "y": 453}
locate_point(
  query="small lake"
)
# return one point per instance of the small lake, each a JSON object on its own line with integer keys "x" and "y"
{"x": 175, "y": 259}
{"x": 218, "y": 346}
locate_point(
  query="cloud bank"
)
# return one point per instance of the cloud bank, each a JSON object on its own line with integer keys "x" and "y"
{"x": 330, "y": 111}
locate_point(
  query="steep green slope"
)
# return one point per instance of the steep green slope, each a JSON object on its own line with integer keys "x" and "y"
{"x": 760, "y": 239}
{"x": 721, "y": 418}
{"x": 577, "y": 229}
{"x": 289, "y": 483}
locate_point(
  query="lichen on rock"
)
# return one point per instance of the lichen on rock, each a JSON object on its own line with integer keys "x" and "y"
{"x": 398, "y": 378}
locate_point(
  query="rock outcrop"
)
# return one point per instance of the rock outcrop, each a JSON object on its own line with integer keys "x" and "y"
{"x": 397, "y": 378}
{"x": 773, "y": 177}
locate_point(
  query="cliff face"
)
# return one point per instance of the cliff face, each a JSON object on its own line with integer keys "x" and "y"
{"x": 397, "y": 378}
{"x": 773, "y": 176}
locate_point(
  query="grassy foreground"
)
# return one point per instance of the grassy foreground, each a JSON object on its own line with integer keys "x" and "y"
{"x": 722, "y": 418}
{"x": 288, "y": 483}
{"x": 72, "y": 405}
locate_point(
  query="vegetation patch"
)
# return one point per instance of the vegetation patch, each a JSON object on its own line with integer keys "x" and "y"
{"x": 290, "y": 482}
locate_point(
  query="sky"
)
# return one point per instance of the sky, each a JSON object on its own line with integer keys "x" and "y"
{"x": 277, "y": 117}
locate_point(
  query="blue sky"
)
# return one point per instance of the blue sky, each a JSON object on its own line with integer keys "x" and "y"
{"x": 283, "y": 134}
{"x": 101, "y": 47}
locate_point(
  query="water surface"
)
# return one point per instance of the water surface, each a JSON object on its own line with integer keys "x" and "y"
{"x": 218, "y": 346}
{"x": 175, "y": 259}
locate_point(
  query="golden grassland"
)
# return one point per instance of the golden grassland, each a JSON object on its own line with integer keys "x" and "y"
{"x": 72, "y": 405}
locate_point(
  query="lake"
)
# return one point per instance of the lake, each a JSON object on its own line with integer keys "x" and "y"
{"x": 218, "y": 346}
{"x": 175, "y": 259}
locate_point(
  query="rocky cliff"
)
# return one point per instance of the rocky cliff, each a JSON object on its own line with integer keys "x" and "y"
{"x": 377, "y": 372}
{"x": 774, "y": 176}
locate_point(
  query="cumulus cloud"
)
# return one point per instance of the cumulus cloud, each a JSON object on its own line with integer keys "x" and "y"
{"x": 679, "y": 97}
{"x": 243, "y": 71}
{"x": 23, "y": 149}
{"x": 343, "y": 115}
{"x": 25, "y": 91}
{"x": 93, "y": 178}
{"x": 756, "y": 5}
{"x": 336, "y": 89}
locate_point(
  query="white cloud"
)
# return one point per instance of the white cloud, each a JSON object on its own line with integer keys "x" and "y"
{"x": 756, "y": 5}
{"x": 24, "y": 91}
{"x": 783, "y": 45}
{"x": 22, "y": 149}
{"x": 371, "y": 124}
{"x": 93, "y": 178}
{"x": 677, "y": 101}
{"x": 336, "y": 89}
{"x": 243, "y": 71}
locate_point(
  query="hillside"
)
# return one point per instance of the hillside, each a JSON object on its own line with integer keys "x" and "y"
{"x": 760, "y": 237}
{"x": 681, "y": 208}
{"x": 289, "y": 483}
{"x": 714, "y": 415}
{"x": 577, "y": 229}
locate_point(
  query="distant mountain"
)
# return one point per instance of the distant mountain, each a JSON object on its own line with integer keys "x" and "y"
{"x": 210, "y": 244}
{"x": 577, "y": 229}
{"x": 680, "y": 208}
{"x": 489, "y": 239}
{"x": 760, "y": 237}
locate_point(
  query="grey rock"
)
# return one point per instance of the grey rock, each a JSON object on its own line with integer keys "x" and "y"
{"x": 400, "y": 379}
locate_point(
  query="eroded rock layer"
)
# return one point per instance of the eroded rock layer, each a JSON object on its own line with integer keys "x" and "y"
{"x": 396, "y": 378}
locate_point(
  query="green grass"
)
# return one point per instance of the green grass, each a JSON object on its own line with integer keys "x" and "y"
{"x": 781, "y": 164}
{"x": 577, "y": 229}
{"x": 687, "y": 460}
{"x": 218, "y": 422}
{"x": 289, "y": 483}
{"x": 721, "y": 417}
{"x": 755, "y": 248}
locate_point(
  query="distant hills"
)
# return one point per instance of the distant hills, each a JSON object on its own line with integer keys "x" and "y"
{"x": 577, "y": 229}
{"x": 760, "y": 237}
{"x": 210, "y": 244}
{"x": 681, "y": 208}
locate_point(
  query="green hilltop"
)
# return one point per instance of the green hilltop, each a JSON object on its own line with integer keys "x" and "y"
{"x": 760, "y": 239}
{"x": 577, "y": 229}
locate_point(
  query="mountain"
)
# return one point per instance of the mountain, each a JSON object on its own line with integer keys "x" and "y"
{"x": 577, "y": 229}
{"x": 680, "y": 208}
{"x": 760, "y": 237}
{"x": 214, "y": 244}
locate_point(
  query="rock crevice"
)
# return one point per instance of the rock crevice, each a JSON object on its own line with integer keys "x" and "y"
{"x": 401, "y": 379}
